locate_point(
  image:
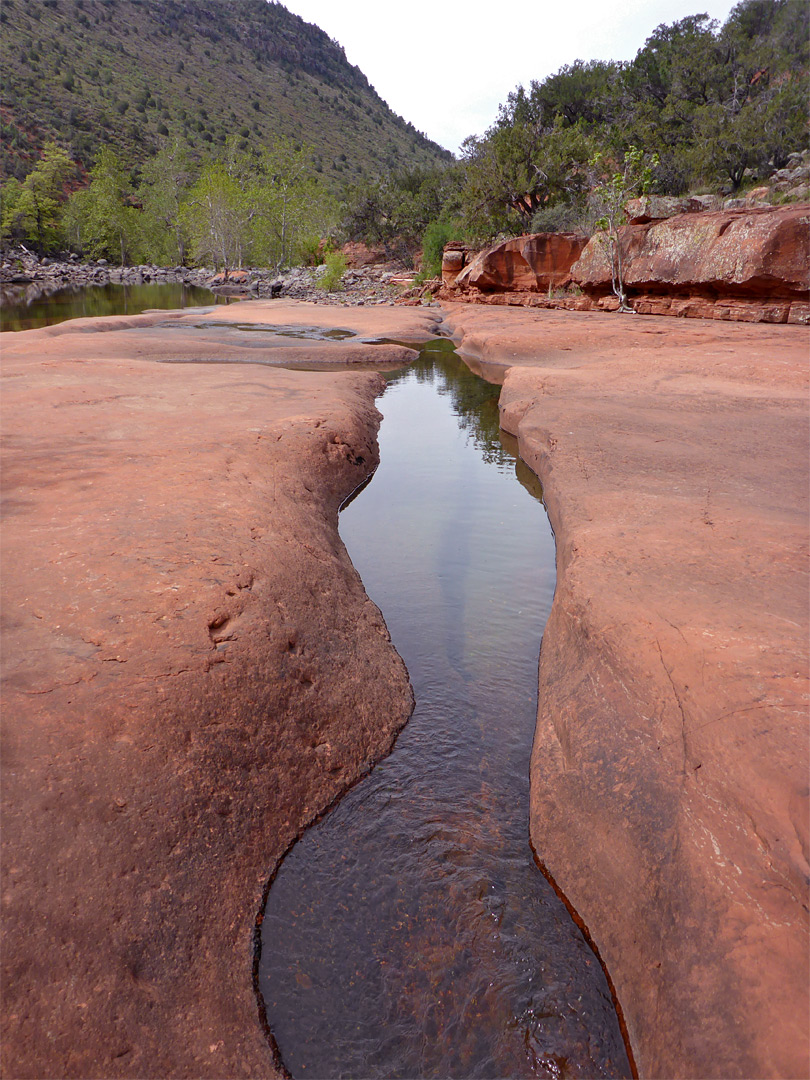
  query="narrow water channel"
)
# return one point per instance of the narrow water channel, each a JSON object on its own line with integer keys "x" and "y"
{"x": 409, "y": 933}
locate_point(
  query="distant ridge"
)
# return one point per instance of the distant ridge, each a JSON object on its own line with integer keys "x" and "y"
{"x": 134, "y": 73}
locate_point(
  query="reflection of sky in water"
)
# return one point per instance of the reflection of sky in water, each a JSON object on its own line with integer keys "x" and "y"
{"x": 409, "y": 933}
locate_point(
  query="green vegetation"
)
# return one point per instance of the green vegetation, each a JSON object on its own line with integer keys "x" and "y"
{"x": 132, "y": 75}
{"x": 99, "y": 217}
{"x": 397, "y": 209}
{"x": 336, "y": 265}
{"x": 608, "y": 196}
{"x": 717, "y": 105}
{"x": 187, "y": 130}
{"x": 266, "y": 209}
{"x": 434, "y": 238}
{"x": 34, "y": 208}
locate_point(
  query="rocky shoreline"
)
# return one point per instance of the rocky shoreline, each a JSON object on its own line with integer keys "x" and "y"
{"x": 24, "y": 278}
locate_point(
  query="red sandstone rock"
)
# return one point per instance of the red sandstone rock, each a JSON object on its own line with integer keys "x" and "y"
{"x": 233, "y": 277}
{"x": 759, "y": 254}
{"x": 452, "y": 265}
{"x": 455, "y": 257}
{"x": 191, "y": 673}
{"x": 748, "y": 264}
{"x": 670, "y": 767}
{"x": 359, "y": 255}
{"x": 532, "y": 263}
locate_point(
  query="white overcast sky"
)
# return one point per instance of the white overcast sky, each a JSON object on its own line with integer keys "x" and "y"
{"x": 447, "y": 66}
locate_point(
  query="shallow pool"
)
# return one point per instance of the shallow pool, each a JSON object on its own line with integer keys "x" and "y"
{"x": 409, "y": 933}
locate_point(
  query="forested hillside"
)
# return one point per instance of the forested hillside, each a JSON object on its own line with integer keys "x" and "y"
{"x": 226, "y": 133}
{"x": 132, "y": 74}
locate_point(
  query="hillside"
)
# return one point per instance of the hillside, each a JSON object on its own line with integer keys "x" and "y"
{"x": 131, "y": 73}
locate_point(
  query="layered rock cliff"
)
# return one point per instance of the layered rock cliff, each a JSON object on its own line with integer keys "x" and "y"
{"x": 746, "y": 264}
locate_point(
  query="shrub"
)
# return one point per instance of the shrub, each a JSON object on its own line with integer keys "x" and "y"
{"x": 563, "y": 217}
{"x": 435, "y": 236}
{"x": 336, "y": 265}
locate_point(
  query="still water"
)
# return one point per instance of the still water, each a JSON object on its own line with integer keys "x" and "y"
{"x": 97, "y": 300}
{"x": 409, "y": 933}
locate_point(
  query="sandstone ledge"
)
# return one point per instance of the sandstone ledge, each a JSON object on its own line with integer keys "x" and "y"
{"x": 192, "y": 672}
{"x": 669, "y": 774}
{"x": 741, "y": 265}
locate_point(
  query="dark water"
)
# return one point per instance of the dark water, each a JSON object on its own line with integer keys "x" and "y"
{"x": 409, "y": 933}
{"x": 83, "y": 302}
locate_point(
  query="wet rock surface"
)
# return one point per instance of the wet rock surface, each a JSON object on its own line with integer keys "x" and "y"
{"x": 192, "y": 669}
{"x": 192, "y": 672}
{"x": 669, "y": 772}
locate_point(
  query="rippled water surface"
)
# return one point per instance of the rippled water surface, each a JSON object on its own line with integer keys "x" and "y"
{"x": 409, "y": 933}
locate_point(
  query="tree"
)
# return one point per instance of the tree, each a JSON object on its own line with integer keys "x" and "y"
{"x": 165, "y": 180}
{"x": 100, "y": 218}
{"x": 213, "y": 216}
{"x": 286, "y": 193}
{"x": 680, "y": 70}
{"x": 9, "y": 201}
{"x": 580, "y": 92}
{"x": 717, "y": 103}
{"x": 610, "y": 193}
{"x": 521, "y": 166}
{"x": 290, "y": 207}
{"x": 32, "y": 211}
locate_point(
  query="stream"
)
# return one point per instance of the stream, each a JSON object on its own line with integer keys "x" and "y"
{"x": 409, "y": 932}
{"x": 36, "y": 306}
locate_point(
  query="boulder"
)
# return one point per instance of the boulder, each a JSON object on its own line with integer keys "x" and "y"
{"x": 452, "y": 265}
{"x": 705, "y": 202}
{"x": 231, "y": 277}
{"x": 455, "y": 257}
{"x": 533, "y": 263}
{"x": 758, "y": 195}
{"x": 754, "y": 254}
{"x": 360, "y": 255}
{"x": 655, "y": 208}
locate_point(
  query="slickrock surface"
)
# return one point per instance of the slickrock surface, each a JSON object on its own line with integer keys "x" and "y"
{"x": 670, "y": 768}
{"x": 192, "y": 672}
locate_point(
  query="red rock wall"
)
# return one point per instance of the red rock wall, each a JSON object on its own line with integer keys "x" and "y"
{"x": 750, "y": 265}
{"x": 532, "y": 263}
{"x": 743, "y": 265}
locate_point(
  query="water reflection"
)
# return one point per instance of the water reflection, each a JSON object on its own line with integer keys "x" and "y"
{"x": 409, "y": 933}
{"x": 35, "y": 306}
